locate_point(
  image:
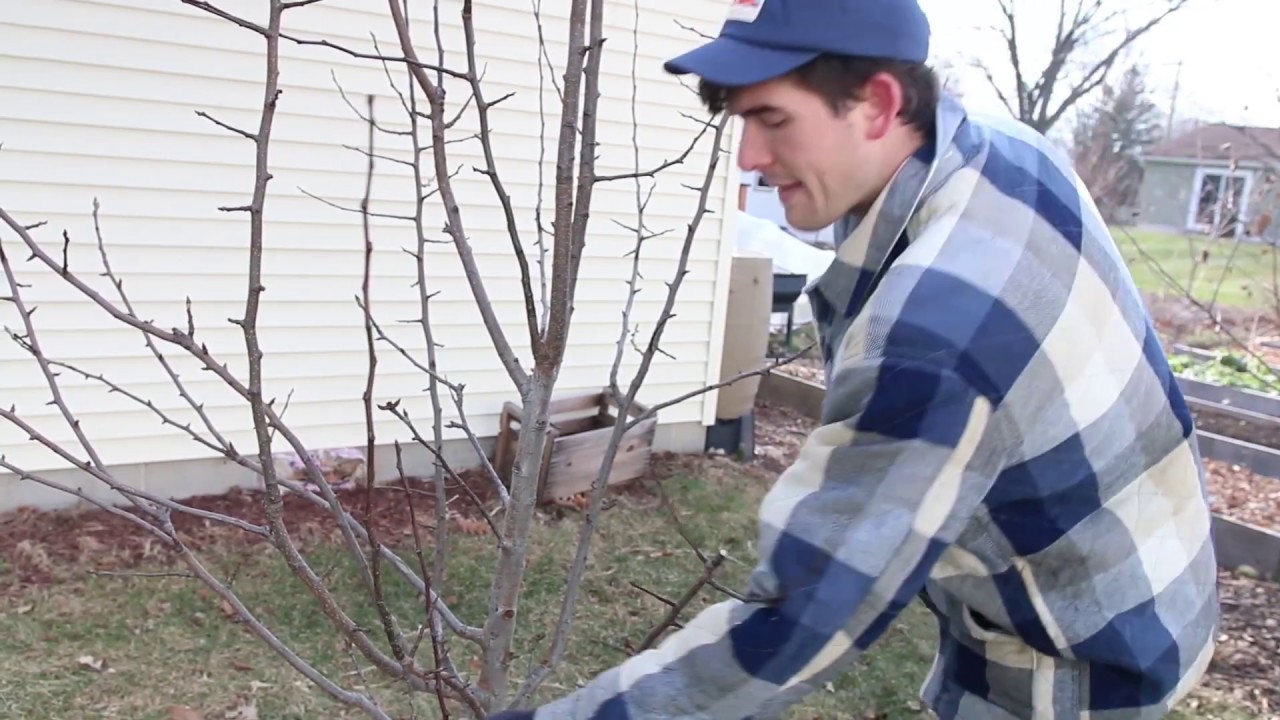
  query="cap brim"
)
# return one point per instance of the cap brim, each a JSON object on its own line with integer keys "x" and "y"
{"x": 731, "y": 62}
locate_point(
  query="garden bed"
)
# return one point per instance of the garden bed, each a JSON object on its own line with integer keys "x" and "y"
{"x": 1245, "y": 501}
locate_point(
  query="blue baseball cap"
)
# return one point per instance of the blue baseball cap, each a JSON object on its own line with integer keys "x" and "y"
{"x": 764, "y": 39}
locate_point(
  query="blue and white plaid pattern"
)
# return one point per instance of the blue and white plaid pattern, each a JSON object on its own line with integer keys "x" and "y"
{"x": 1002, "y": 437}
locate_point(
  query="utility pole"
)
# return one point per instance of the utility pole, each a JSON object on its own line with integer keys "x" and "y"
{"x": 1173, "y": 102}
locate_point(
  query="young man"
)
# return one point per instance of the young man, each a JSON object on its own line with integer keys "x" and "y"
{"x": 1001, "y": 436}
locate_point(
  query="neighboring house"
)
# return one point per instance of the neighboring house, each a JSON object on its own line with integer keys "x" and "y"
{"x": 98, "y": 99}
{"x": 1213, "y": 176}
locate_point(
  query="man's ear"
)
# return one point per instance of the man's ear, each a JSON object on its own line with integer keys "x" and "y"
{"x": 881, "y": 103}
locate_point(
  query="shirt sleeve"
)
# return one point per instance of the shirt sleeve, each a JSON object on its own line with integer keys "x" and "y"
{"x": 904, "y": 455}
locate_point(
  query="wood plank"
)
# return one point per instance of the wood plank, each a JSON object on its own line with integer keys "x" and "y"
{"x": 1237, "y": 543}
{"x": 1243, "y": 398}
{"x": 803, "y": 396}
{"x": 1261, "y": 460}
{"x": 1236, "y": 413}
{"x": 575, "y": 459}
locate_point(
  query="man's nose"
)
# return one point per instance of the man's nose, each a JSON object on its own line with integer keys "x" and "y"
{"x": 752, "y": 154}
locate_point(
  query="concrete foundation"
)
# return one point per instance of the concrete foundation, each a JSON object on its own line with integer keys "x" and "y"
{"x": 214, "y": 476}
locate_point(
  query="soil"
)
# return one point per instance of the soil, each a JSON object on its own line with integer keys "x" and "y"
{"x": 1239, "y": 493}
{"x": 1178, "y": 320}
{"x": 1246, "y": 666}
{"x": 42, "y": 545}
{"x": 1223, "y": 424}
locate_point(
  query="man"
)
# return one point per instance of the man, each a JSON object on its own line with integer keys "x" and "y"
{"x": 1001, "y": 436}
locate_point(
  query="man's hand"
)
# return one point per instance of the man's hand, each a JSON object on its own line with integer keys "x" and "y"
{"x": 847, "y": 537}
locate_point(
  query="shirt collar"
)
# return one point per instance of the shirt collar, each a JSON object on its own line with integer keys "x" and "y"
{"x": 864, "y": 242}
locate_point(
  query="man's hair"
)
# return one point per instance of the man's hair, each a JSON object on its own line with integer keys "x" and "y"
{"x": 840, "y": 78}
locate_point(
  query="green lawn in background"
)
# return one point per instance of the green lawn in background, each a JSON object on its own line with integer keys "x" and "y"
{"x": 1244, "y": 277}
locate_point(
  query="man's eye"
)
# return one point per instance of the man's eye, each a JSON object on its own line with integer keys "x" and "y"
{"x": 774, "y": 122}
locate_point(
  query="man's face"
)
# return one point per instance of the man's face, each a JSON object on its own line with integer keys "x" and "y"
{"x": 824, "y": 163}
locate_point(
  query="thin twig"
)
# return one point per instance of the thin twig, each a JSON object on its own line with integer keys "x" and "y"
{"x": 676, "y": 608}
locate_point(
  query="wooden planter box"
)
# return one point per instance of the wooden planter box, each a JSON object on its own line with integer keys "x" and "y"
{"x": 580, "y": 430}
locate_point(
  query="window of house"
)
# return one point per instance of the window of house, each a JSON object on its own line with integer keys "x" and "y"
{"x": 1218, "y": 201}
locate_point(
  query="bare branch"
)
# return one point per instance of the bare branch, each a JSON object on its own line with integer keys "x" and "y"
{"x": 242, "y": 133}
{"x": 491, "y": 171}
{"x": 1079, "y": 31}
{"x": 678, "y": 606}
{"x": 454, "y": 225}
{"x": 410, "y": 60}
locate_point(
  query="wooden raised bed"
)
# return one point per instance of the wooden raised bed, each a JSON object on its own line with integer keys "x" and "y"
{"x": 1236, "y": 543}
{"x": 579, "y": 433}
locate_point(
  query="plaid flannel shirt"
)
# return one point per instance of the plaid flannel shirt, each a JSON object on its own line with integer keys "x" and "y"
{"x": 1001, "y": 437}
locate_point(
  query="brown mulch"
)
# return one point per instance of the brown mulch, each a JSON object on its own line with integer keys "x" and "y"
{"x": 780, "y": 432}
{"x": 1178, "y": 320}
{"x": 46, "y": 547}
{"x": 1246, "y": 665}
{"x": 41, "y": 546}
{"x": 1239, "y": 493}
{"x": 1247, "y": 430}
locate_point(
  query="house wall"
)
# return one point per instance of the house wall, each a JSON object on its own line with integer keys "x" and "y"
{"x": 1167, "y": 187}
{"x": 99, "y": 99}
{"x": 1165, "y": 194}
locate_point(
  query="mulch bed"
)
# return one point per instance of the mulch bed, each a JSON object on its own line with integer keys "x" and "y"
{"x": 1246, "y": 666}
{"x": 43, "y": 548}
{"x": 1239, "y": 493}
{"x": 1245, "y": 430}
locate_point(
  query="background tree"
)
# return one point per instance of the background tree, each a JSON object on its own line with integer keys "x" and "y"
{"x": 1089, "y": 38}
{"x": 1108, "y": 138}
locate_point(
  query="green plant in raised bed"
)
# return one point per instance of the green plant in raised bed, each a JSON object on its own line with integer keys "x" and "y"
{"x": 1231, "y": 369}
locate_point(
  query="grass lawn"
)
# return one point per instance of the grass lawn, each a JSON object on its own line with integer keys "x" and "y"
{"x": 168, "y": 646}
{"x": 1244, "y": 278}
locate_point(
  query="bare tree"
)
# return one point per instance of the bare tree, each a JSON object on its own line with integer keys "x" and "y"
{"x": 393, "y": 649}
{"x": 1108, "y": 139}
{"x": 1089, "y": 38}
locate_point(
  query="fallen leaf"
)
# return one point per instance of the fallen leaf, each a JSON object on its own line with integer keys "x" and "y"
{"x": 227, "y": 609}
{"x": 241, "y": 666}
{"x": 24, "y": 609}
{"x": 247, "y": 710}
{"x": 183, "y": 712}
{"x": 90, "y": 662}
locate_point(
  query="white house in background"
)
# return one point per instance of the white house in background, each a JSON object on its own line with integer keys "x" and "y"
{"x": 98, "y": 98}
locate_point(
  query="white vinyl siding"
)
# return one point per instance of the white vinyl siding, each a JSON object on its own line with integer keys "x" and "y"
{"x": 98, "y": 98}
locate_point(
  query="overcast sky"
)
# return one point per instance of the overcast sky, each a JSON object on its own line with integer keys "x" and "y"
{"x": 1230, "y": 52}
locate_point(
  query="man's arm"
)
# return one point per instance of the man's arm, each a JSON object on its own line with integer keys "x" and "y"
{"x": 848, "y": 534}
